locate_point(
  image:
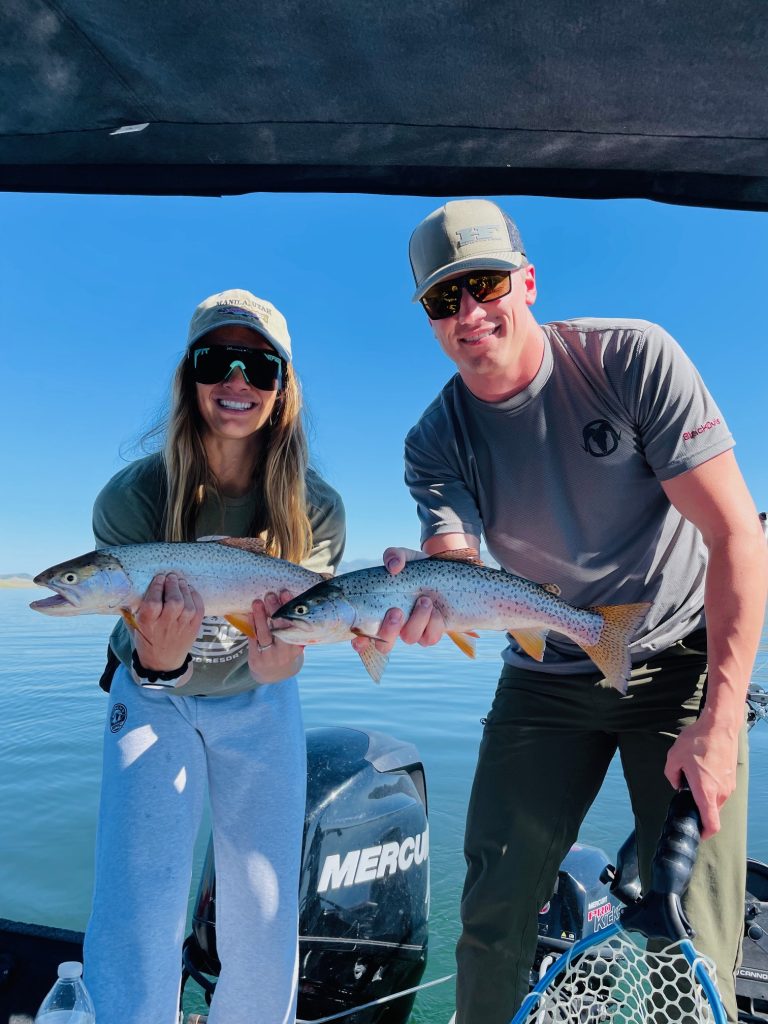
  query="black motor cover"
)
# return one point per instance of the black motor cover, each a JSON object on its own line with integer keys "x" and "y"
{"x": 582, "y": 903}
{"x": 752, "y": 974}
{"x": 364, "y": 886}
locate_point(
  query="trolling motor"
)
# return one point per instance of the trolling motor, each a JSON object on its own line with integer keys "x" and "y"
{"x": 591, "y": 893}
{"x": 364, "y": 883}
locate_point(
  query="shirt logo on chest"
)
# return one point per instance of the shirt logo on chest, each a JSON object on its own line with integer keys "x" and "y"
{"x": 600, "y": 438}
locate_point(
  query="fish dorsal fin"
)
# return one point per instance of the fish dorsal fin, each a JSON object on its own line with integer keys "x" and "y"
{"x": 551, "y": 588}
{"x": 253, "y": 544}
{"x": 531, "y": 640}
{"x": 242, "y": 622}
{"x": 471, "y": 555}
{"x": 375, "y": 662}
{"x": 465, "y": 642}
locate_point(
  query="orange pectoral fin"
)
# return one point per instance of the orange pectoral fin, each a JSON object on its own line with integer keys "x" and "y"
{"x": 130, "y": 619}
{"x": 242, "y": 622}
{"x": 465, "y": 642}
{"x": 531, "y": 640}
{"x": 132, "y": 624}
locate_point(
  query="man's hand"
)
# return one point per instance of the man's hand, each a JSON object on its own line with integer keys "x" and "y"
{"x": 168, "y": 622}
{"x": 270, "y": 659}
{"x": 395, "y": 558}
{"x": 424, "y": 626}
{"x": 706, "y": 753}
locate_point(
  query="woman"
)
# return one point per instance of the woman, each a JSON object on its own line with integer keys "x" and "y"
{"x": 188, "y": 704}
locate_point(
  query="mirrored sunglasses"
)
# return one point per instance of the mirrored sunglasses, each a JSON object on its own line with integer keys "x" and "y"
{"x": 214, "y": 364}
{"x": 443, "y": 299}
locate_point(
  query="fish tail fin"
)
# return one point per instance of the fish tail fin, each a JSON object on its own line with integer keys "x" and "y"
{"x": 375, "y": 662}
{"x": 465, "y": 642}
{"x": 611, "y": 652}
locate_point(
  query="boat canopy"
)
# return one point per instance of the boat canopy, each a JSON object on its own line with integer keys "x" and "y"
{"x": 661, "y": 99}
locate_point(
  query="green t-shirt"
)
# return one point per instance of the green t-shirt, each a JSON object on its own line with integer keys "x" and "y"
{"x": 129, "y": 510}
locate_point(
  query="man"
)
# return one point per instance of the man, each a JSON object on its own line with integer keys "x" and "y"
{"x": 590, "y": 455}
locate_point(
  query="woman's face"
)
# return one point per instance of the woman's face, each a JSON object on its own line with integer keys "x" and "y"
{"x": 233, "y": 409}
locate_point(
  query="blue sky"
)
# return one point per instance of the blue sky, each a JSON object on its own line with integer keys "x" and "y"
{"x": 96, "y": 293}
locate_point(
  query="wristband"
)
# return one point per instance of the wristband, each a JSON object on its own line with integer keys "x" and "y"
{"x": 152, "y": 675}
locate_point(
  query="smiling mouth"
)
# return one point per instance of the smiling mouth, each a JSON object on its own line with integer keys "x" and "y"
{"x": 477, "y": 338}
{"x": 226, "y": 403}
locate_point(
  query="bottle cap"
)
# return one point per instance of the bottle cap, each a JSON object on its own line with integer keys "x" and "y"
{"x": 70, "y": 969}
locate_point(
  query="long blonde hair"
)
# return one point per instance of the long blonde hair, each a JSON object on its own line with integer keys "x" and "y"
{"x": 281, "y": 517}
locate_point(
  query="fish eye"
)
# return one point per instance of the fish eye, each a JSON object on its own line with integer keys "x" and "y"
{"x": 68, "y": 577}
{"x": 301, "y": 609}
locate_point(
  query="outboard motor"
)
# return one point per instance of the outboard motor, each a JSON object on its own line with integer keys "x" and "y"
{"x": 581, "y": 904}
{"x": 364, "y": 886}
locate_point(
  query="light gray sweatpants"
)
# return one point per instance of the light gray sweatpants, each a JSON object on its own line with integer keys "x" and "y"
{"x": 159, "y": 752}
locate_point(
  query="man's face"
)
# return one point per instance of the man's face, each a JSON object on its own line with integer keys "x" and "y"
{"x": 490, "y": 339}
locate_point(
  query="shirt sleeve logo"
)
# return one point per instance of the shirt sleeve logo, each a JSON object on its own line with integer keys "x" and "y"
{"x": 600, "y": 438}
{"x": 702, "y": 428}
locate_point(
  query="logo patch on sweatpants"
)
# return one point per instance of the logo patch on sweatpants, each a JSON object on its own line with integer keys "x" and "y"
{"x": 118, "y": 717}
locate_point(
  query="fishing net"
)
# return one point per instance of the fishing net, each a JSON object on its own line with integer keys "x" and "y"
{"x": 625, "y": 984}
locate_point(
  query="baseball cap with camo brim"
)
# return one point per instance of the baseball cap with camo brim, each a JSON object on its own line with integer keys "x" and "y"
{"x": 240, "y": 308}
{"x": 465, "y": 234}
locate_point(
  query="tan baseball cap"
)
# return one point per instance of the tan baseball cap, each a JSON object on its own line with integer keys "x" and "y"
{"x": 243, "y": 309}
{"x": 465, "y": 234}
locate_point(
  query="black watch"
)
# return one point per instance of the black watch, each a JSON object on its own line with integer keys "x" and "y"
{"x": 153, "y": 675}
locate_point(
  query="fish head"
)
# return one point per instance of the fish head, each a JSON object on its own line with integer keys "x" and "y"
{"x": 321, "y": 614}
{"x": 95, "y": 582}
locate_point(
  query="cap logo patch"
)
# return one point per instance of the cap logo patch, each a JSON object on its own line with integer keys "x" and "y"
{"x": 239, "y": 311}
{"x": 482, "y": 233}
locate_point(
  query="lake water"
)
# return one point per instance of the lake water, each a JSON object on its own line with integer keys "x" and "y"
{"x": 51, "y": 715}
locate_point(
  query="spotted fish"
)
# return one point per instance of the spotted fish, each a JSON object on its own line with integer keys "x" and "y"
{"x": 470, "y": 596}
{"x": 229, "y": 573}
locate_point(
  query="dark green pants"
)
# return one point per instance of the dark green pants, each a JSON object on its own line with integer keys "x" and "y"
{"x": 545, "y": 750}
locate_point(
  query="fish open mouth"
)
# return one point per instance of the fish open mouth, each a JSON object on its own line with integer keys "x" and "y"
{"x": 56, "y": 601}
{"x": 57, "y": 604}
{"x": 277, "y": 623}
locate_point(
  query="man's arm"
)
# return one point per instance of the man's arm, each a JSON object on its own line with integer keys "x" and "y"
{"x": 714, "y": 497}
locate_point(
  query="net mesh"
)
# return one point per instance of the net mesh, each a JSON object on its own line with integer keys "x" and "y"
{"x": 624, "y": 984}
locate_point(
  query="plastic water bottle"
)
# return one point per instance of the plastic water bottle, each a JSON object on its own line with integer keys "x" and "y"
{"x": 68, "y": 1001}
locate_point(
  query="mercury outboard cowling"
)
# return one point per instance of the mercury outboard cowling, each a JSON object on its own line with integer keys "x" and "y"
{"x": 364, "y": 885}
{"x": 582, "y": 902}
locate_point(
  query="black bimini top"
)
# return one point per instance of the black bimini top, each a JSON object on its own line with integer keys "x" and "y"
{"x": 663, "y": 99}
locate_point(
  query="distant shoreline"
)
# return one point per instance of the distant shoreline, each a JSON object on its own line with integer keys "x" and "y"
{"x": 17, "y": 581}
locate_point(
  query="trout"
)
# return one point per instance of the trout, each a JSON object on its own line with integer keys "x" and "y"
{"x": 469, "y": 596}
{"x": 228, "y": 573}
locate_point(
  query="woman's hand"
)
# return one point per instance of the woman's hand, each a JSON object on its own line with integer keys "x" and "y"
{"x": 270, "y": 659}
{"x": 168, "y": 622}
